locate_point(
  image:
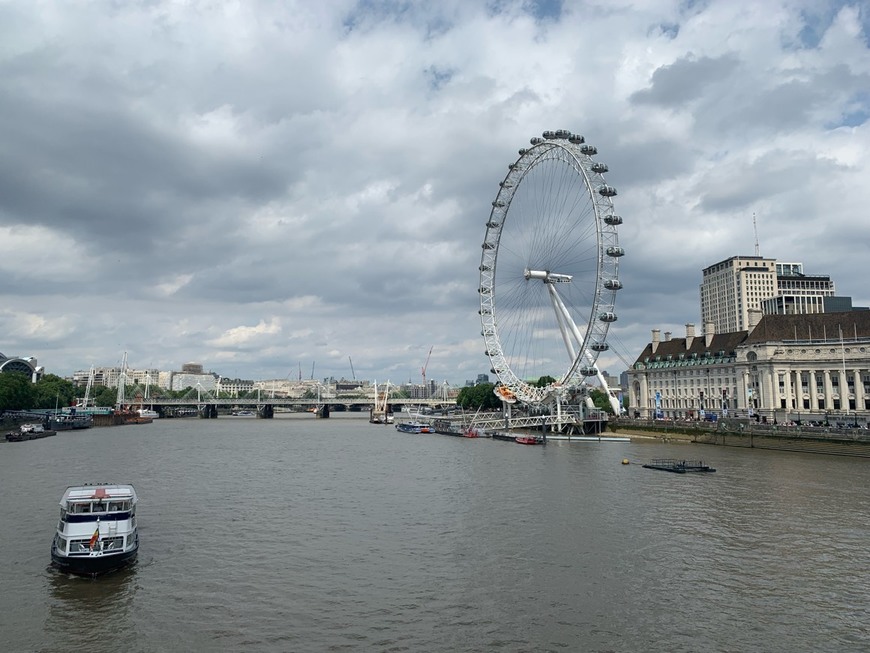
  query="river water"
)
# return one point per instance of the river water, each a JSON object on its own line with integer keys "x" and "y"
{"x": 299, "y": 534}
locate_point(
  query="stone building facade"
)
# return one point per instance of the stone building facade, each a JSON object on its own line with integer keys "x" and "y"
{"x": 783, "y": 366}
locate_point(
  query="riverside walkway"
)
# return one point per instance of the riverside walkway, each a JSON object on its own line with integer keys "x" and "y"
{"x": 750, "y": 434}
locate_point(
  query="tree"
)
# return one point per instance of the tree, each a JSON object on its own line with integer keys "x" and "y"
{"x": 478, "y": 396}
{"x": 104, "y": 396}
{"x": 16, "y": 391}
{"x": 601, "y": 400}
{"x": 51, "y": 391}
{"x": 543, "y": 381}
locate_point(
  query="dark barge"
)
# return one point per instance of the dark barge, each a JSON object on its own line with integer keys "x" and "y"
{"x": 507, "y": 437}
{"x": 679, "y": 466}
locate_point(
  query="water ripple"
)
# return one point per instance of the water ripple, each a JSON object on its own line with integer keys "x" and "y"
{"x": 297, "y": 534}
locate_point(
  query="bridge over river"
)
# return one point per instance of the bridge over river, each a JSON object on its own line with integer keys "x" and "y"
{"x": 265, "y": 406}
{"x": 348, "y": 401}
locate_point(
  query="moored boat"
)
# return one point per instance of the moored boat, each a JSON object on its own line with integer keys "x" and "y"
{"x": 529, "y": 439}
{"x": 414, "y": 427}
{"x": 127, "y": 416}
{"x": 29, "y": 432}
{"x": 97, "y": 530}
{"x": 70, "y": 421}
{"x": 148, "y": 412}
{"x": 473, "y": 432}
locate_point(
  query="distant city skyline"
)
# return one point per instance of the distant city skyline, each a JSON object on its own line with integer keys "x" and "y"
{"x": 258, "y": 187}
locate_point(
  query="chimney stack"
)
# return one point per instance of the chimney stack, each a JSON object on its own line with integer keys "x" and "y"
{"x": 754, "y": 317}
{"x": 690, "y": 335}
{"x": 709, "y": 332}
{"x": 655, "y": 340}
{"x": 667, "y": 336}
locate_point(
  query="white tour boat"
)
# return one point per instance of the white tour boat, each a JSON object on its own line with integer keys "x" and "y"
{"x": 97, "y": 529}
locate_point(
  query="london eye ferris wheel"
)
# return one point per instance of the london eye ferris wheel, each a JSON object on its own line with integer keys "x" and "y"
{"x": 549, "y": 269}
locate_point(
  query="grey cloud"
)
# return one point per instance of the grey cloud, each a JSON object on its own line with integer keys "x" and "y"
{"x": 685, "y": 80}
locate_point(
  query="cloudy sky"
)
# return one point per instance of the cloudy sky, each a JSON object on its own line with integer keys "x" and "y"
{"x": 271, "y": 187}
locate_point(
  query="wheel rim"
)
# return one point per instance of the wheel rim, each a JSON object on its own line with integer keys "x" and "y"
{"x": 552, "y": 229}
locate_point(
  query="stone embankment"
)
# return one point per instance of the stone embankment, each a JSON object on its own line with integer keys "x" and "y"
{"x": 838, "y": 442}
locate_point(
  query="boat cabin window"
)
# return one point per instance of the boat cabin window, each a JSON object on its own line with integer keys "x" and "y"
{"x": 115, "y": 506}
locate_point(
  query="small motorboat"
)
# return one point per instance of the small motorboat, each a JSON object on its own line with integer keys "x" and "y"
{"x": 530, "y": 439}
{"x": 414, "y": 427}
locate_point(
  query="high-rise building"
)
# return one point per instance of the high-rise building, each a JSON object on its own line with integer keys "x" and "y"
{"x": 732, "y": 288}
{"x": 799, "y": 293}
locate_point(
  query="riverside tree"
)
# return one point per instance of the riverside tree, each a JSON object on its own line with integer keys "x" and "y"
{"x": 16, "y": 391}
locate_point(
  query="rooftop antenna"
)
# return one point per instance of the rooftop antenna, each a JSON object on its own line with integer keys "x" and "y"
{"x": 755, "y": 229}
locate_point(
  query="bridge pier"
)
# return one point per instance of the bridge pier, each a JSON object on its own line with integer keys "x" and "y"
{"x": 266, "y": 411}
{"x": 208, "y": 411}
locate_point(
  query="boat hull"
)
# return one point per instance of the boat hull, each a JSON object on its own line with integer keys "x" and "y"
{"x": 94, "y": 565}
{"x": 97, "y": 532}
{"x": 21, "y": 436}
{"x": 70, "y": 423}
{"x": 414, "y": 427}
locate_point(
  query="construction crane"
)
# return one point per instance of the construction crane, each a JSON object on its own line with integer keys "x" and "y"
{"x": 425, "y": 365}
{"x": 352, "y": 373}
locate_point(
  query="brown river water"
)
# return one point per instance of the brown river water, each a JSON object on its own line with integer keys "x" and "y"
{"x": 299, "y": 534}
